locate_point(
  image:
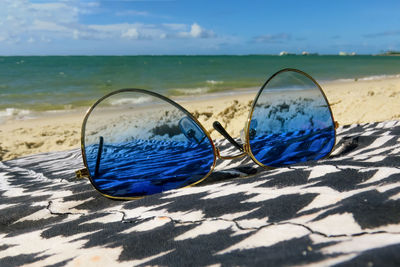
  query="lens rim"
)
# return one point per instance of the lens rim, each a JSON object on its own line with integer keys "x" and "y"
{"x": 247, "y": 146}
{"x": 136, "y": 90}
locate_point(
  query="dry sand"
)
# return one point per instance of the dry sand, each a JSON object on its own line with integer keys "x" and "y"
{"x": 351, "y": 102}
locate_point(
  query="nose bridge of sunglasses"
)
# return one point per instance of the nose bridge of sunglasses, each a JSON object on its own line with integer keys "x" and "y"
{"x": 191, "y": 130}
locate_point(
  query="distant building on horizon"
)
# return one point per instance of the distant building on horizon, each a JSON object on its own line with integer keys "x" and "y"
{"x": 285, "y": 53}
{"x": 341, "y": 53}
{"x": 305, "y": 53}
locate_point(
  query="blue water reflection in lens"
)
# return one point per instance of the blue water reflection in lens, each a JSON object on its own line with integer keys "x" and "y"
{"x": 147, "y": 149}
{"x": 291, "y": 122}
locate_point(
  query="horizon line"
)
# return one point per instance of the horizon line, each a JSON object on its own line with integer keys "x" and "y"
{"x": 188, "y": 55}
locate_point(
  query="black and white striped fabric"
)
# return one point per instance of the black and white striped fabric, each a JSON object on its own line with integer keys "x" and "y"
{"x": 343, "y": 210}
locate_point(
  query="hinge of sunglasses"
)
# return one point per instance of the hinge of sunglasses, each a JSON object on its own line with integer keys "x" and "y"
{"x": 83, "y": 173}
{"x": 336, "y": 125}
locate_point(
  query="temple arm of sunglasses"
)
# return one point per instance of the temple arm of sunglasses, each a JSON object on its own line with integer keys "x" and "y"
{"x": 96, "y": 170}
{"x": 217, "y": 126}
{"x": 84, "y": 173}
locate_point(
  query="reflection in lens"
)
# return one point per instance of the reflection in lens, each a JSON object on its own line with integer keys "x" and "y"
{"x": 291, "y": 122}
{"x": 137, "y": 144}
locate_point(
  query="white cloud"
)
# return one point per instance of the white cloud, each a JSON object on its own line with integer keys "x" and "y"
{"x": 26, "y": 22}
{"x": 75, "y": 34}
{"x": 196, "y": 31}
{"x": 40, "y": 25}
{"x": 59, "y": 12}
{"x": 21, "y": 20}
{"x": 132, "y": 33}
{"x": 48, "y": 6}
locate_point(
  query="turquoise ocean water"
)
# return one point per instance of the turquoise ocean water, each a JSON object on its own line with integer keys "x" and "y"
{"x": 29, "y": 84}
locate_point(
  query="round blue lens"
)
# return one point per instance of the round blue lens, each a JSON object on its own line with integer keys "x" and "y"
{"x": 138, "y": 144}
{"x": 291, "y": 121}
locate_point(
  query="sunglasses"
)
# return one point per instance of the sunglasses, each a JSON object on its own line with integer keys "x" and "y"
{"x": 136, "y": 142}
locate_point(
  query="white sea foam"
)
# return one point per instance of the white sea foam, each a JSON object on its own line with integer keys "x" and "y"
{"x": 212, "y": 82}
{"x": 191, "y": 91}
{"x": 130, "y": 101}
{"x": 9, "y": 112}
{"x": 14, "y": 113}
{"x": 370, "y": 78}
{"x": 378, "y": 77}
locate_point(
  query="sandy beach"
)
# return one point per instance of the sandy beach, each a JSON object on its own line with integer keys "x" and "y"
{"x": 352, "y": 102}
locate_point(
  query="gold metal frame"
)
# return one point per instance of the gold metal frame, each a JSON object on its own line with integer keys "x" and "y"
{"x": 134, "y": 90}
{"x": 246, "y": 146}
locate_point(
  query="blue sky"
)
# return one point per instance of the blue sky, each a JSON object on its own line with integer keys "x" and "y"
{"x": 132, "y": 27}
